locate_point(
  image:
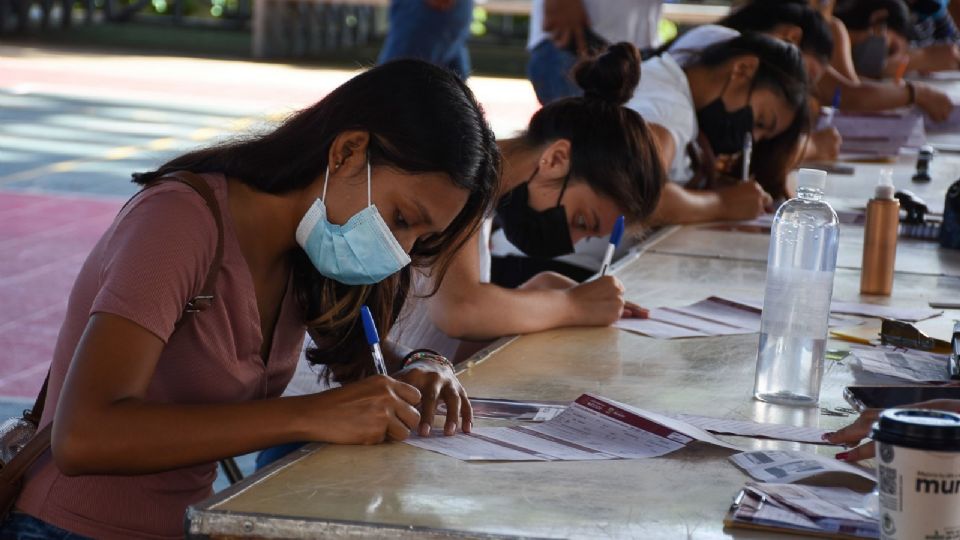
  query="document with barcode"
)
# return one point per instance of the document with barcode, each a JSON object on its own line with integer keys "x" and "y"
{"x": 590, "y": 428}
{"x": 789, "y": 466}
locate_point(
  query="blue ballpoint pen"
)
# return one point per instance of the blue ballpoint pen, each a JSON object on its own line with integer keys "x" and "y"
{"x": 615, "y": 237}
{"x": 373, "y": 339}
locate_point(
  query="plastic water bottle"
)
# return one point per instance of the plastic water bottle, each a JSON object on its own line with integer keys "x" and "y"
{"x": 796, "y": 305}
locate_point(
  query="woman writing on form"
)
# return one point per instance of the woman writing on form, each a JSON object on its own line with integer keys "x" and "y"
{"x": 751, "y": 85}
{"x": 309, "y": 222}
{"x": 581, "y": 163}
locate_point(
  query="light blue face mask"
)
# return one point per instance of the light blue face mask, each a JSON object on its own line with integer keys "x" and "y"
{"x": 363, "y": 251}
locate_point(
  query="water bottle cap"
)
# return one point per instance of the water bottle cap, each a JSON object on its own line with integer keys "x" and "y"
{"x": 919, "y": 428}
{"x": 812, "y": 178}
{"x": 885, "y": 189}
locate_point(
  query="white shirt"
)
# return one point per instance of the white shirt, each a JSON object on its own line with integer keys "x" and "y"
{"x": 634, "y": 21}
{"x": 663, "y": 97}
{"x": 685, "y": 48}
{"x": 414, "y": 328}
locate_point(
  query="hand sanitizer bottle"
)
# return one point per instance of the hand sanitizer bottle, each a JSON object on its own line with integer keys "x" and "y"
{"x": 796, "y": 305}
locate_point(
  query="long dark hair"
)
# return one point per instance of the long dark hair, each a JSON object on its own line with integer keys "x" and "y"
{"x": 856, "y": 14}
{"x": 763, "y": 15}
{"x": 421, "y": 118}
{"x": 782, "y": 71}
{"x": 611, "y": 147}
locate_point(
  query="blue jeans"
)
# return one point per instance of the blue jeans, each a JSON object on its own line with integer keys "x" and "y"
{"x": 439, "y": 37}
{"x": 268, "y": 456}
{"x": 20, "y": 526}
{"x": 549, "y": 72}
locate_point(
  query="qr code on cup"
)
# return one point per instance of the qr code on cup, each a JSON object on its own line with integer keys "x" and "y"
{"x": 888, "y": 480}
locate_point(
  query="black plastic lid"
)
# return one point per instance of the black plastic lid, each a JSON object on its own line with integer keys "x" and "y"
{"x": 919, "y": 428}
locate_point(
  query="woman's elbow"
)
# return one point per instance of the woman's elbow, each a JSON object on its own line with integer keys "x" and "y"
{"x": 71, "y": 453}
{"x": 454, "y": 319}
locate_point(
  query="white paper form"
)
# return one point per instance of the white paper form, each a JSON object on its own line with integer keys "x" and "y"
{"x": 788, "y": 466}
{"x": 884, "y": 312}
{"x": 711, "y": 317}
{"x": 591, "y": 428}
{"x": 880, "y": 133}
{"x": 909, "y": 365}
{"x": 745, "y": 428}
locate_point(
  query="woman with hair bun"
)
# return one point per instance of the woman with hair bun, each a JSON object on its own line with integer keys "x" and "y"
{"x": 581, "y": 163}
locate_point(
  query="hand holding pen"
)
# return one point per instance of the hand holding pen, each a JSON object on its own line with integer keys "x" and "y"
{"x": 435, "y": 382}
{"x": 630, "y": 310}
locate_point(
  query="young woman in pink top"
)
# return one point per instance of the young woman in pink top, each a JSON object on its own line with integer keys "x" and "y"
{"x": 319, "y": 217}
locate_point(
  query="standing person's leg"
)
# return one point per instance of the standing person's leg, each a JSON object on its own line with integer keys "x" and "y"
{"x": 549, "y": 72}
{"x": 438, "y": 35}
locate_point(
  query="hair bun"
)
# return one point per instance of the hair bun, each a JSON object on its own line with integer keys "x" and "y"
{"x": 612, "y": 76}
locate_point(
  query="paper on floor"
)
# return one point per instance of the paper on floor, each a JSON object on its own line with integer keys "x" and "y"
{"x": 590, "y": 428}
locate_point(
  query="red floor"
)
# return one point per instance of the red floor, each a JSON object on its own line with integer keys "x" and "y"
{"x": 43, "y": 241}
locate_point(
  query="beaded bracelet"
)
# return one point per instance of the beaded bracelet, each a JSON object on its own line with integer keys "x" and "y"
{"x": 426, "y": 355}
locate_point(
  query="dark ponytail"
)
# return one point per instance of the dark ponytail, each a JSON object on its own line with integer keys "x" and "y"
{"x": 612, "y": 149}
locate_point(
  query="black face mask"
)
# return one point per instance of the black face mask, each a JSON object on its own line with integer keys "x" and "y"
{"x": 543, "y": 234}
{"x": 725, "y": 130}
{"x": 870, "y": 57}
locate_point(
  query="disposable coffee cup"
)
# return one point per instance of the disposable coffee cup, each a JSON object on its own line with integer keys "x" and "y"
{"x": 918, "y": 473}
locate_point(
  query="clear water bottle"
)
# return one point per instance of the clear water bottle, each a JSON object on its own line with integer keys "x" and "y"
{"x": 796, "y": 305}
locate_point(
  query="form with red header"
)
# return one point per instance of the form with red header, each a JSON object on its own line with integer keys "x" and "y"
{"x": 591, "y": 428}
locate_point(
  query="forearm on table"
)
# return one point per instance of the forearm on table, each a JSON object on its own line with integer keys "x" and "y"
{"x": 491, "y": 311}
{"x": 867, "y": 95}
{"x": 679, "y": 205}
{"x": 138, "y": 437}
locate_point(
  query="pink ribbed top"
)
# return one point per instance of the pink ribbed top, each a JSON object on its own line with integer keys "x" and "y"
{"x": 148, "y": 264}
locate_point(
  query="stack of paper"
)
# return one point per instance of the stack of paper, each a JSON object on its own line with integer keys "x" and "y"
{"x": 591, "y": 428}
{"x": 834, "y": 512}
{"x": 906, "y": 364}
{"x": 789, "y": 466}
{"x": 880, "y": 133}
